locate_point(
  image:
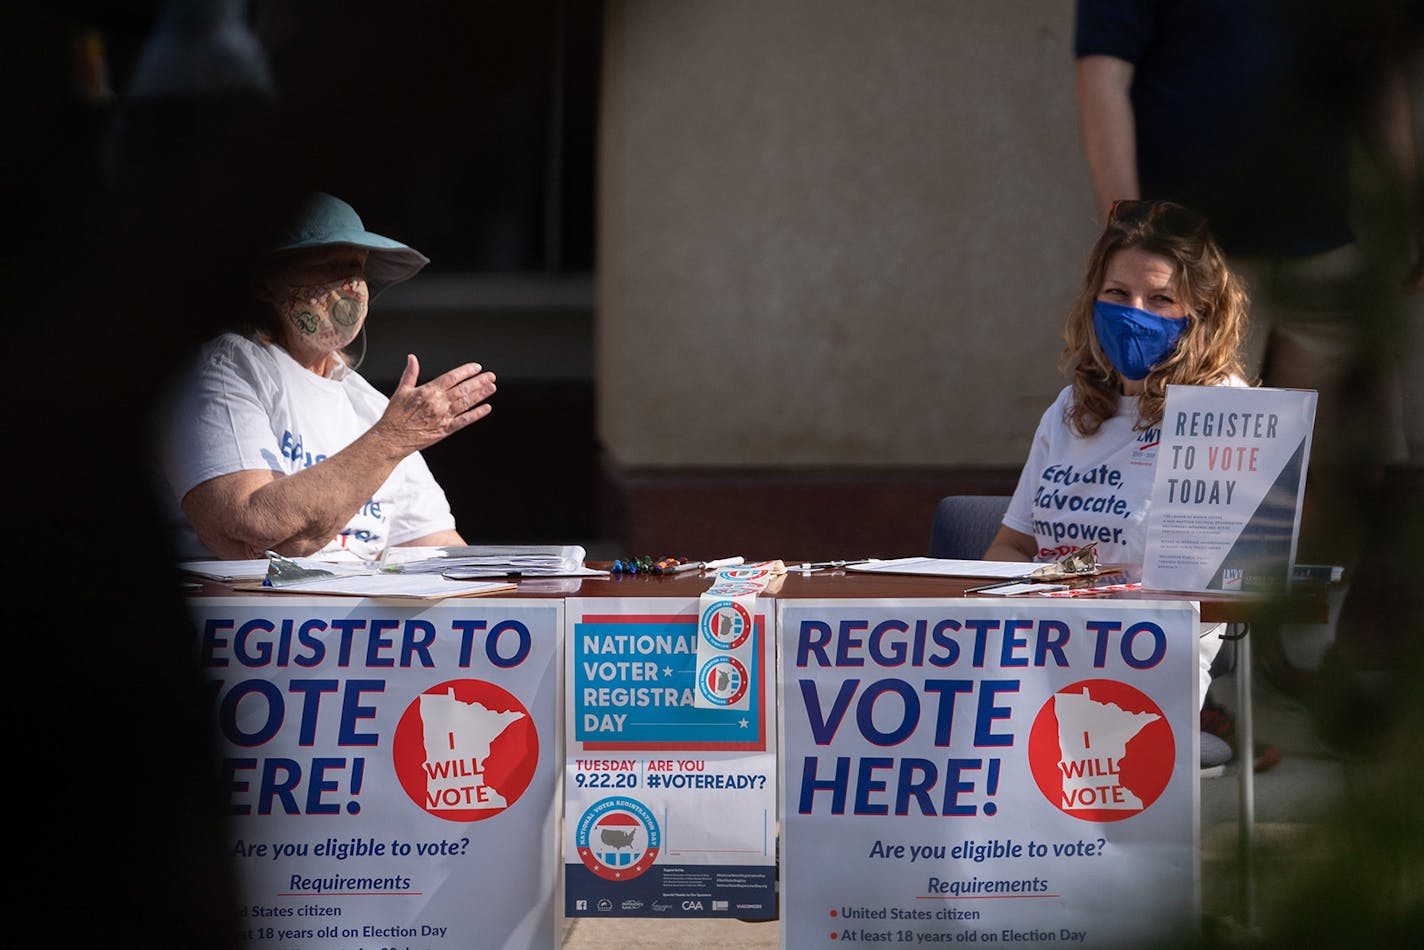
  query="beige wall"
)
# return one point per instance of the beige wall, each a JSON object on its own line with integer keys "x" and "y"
{"x": 834, "y": 232}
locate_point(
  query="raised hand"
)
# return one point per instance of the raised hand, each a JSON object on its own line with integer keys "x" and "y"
{"x": 419, "y": 416}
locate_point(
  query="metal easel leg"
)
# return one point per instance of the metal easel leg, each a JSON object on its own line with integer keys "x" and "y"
{"x": 1246, "y": 774}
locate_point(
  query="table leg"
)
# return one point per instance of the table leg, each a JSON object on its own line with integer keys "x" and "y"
{"x": 1246, "y": 774}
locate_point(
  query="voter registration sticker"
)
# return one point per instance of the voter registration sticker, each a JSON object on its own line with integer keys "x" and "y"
{"x": 722, "y": 681}
{"x": 726, "y": 624}
{"x": 465, "y": 750}
{"x": 1101, "y": 750}
{"x": 618, "y": 838}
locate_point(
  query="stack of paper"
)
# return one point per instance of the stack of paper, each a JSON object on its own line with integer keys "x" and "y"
{"x": 319, "y": 576}
{"x": 491, "y": 560}
{"x": 227, "y": 571}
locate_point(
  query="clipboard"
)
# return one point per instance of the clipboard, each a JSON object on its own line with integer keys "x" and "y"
{"x": 1079, "y": 565}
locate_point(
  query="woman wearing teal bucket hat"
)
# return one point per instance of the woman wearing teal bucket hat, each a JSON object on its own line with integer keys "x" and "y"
{"x": 276, "y": 443}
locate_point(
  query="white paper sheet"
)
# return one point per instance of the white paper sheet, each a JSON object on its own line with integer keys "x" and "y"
{"x": 425, "y": 586}
{"x": 227, "y": 570}
{"x": 256, "y": 568}
{"x": 946, "y": 567}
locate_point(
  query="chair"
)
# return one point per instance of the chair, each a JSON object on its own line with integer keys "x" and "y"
{"x": 962, "y": 528}
{"x": 965, "y": 524}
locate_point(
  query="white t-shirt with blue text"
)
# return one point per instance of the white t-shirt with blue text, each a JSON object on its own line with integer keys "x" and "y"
{"x": 1076, "y": 489}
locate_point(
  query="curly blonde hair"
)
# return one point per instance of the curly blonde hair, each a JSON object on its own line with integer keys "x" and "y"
{"x": 1207, "y": 352}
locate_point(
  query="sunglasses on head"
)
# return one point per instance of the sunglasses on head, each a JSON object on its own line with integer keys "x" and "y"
{"x": 1169, "y": 216}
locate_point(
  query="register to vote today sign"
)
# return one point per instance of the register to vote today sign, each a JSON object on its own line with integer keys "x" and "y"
{"x": 389, "y": 769}
{"x": 968, "y": 771}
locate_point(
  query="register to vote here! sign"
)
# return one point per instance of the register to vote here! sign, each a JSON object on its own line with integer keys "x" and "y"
{"x": 979, "y": 771}
{"x": 389, "y": 770}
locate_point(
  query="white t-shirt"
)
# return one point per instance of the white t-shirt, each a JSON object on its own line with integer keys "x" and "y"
{"x": 1075, "y": 489}
{"x": 248, "y": 406}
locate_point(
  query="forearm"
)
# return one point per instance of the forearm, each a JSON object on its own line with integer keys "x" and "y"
{"x": 300, "y": 514}
{"x": 1103, "y": 85}
{"x": 1011, "y": 545}
{"x": 245, "y": 514}
{"x": 439, "y": 539}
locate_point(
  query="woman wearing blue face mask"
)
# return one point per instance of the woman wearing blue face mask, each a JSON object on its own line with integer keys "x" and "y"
{"x": 1158, "y": 306}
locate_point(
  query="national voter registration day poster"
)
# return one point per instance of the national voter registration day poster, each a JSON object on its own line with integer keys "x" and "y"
{"x": 669, "y": 809}
{"x": 389, "y": 769}
{"x": 974, "y": 771}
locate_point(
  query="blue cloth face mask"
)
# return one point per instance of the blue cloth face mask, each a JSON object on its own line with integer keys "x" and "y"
{"x": 1134, "y": 340}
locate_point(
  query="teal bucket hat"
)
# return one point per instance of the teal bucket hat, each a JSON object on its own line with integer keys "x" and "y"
{"x": 327, "y": 220}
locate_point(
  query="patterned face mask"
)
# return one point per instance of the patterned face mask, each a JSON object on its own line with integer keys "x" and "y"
{"x": 330, "y": 313}
{"x": 1134, "y": 340}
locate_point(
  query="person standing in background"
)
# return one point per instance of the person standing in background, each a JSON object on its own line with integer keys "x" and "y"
{"x": 1250, "y": 112}
{"x": 1290, "y": 126}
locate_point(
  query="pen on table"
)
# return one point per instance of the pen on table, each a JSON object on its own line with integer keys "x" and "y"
{"x": 818, "y": 565}
{"x": 703, "y": 565}
{"x": 994, "y": 586}
{"x": 695, "y": 566}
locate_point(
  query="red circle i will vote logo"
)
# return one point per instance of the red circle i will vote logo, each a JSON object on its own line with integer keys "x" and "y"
{"x": 1101, "y": 750}
{"x": 465, "y": 750}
